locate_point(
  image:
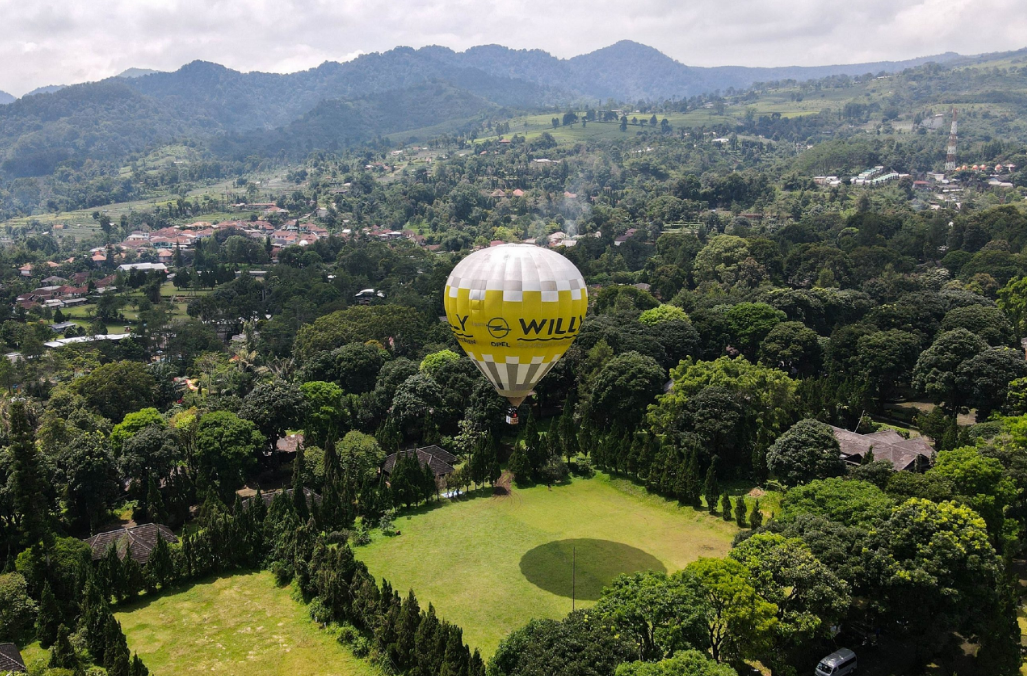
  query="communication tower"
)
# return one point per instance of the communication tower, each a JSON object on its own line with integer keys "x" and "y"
{"x": 950, "y": 156}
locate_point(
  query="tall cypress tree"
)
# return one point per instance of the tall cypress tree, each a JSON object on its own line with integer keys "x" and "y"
{"x": 26, "y": 477}
{"x": 137, "y": 667}
{"x": 682, "y": 481}
{"x": 725, "y": 507}
{"x": 740, "y": 511}
{"x": 711, "y": 488}
{"x": 48, "y": 620}
{"x": 299, "y": 498}
{"x": 477, "y": 667}
{"x": 668, "y": 472}
{"x": 456, "y": 658}
{"x": 567, "y": 431}
{"x": 155, "y": 510}
{"x": 426, "y": 662}
{"x": 694, "y": 479}
{"x": 405, "y": 653}
{"x": 755, "y": 516}
{"x": 429, "y": 488}
{"x": 62, "y": 655}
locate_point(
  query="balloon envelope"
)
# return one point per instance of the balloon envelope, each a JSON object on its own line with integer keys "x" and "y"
{"x": 515, "y": 308}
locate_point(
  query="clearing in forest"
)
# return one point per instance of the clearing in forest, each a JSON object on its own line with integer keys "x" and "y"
{"x": 490, "y": 564}
{"x": 238, "y": 624}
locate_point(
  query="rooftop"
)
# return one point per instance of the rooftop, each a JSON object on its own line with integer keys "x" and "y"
{"x": 142, "y": 540}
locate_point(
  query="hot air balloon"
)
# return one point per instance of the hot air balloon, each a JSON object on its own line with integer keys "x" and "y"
{"x": 515, "y": 309}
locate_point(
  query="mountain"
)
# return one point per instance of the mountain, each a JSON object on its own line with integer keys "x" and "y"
{"x": 630, "y": 71}
{"x": 136, "y": 72}
{"x": 337, "y": 104}
{"x": 338, "y": 123}
{"x": 5, "y": 98}
{"x": 48, "y": 89}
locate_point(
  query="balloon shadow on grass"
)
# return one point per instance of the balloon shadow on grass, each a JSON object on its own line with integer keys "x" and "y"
{"x": 548, "y": 566}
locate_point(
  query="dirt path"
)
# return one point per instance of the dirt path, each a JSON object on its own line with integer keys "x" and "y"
{"x": 504, "y": 485}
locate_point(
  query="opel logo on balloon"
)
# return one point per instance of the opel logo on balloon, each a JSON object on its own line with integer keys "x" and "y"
{"x": 498, "y": 328}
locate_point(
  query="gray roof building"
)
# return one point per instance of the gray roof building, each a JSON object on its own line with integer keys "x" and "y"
{"x": 889, "y": 445}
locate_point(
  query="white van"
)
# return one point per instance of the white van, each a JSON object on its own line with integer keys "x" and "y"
{"x": 838, "y": 663}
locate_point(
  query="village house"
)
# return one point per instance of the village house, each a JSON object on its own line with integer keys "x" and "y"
{"x": 908, "y": 455}
{"x": 438, "y": 459}
{"x": 10, "y": 660}
{"x": 140, "y": 540}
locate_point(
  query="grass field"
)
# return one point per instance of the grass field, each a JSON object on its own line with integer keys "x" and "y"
{"x": 242, "y": 624}
{"x": 490, "y": 564}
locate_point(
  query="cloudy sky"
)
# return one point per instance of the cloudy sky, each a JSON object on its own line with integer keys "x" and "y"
{"x": 57, "y": 42}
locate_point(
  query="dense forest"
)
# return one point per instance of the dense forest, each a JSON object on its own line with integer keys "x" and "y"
{"x": 738, "y": 309}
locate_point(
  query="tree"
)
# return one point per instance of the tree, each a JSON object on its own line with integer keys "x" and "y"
{"x": 327, "y": 412}
{"x": 624, "y": 388}
{"x": 719, "y": 260}
{"x": 725, "y": 507}
{"x": 751, "y": 323}
{"x": 92, "y": 485}
{"x": 755, "y": 515}
{"x": 117, "y": 389}
{"x": 1012, "y": 299}
{"x": 579, "y": 644}
{"x": 17, "y": 609}
{"x": 355, "y": 367}
{"x": 934, "y": 568}
{"x": 133, "y": 424}
{"x": 225, "y": 448}
{"x": 417, "y": 400}
{"x": 807, "y": 451}
{"x": 979, "y": 482}
{"x": 711, "y": 487}
{"x": 48, "y": 621}
{"x": 403, "y": 652}
{"x": 662, "y": 313}
{"x": 160, "y": 569}
{"x": 792, "y": 347}
{"x": 274, "y": 408}
{"x": 740, "y": 512}
{"x": 989, "y": 323}
{"x": 988, "y": 377}
{"x": 402, "y": 326}
{"x": 685, "y": 663}
{"x": 26, "y": 481}
{"x": 718, "y": 416}
{"x": 886, "y": 359}
{"x": 738, "y": 621}
{"x": 434, "y": 361}
{"x": 852, "y": 503}
{"x": 768, "y": 393}
{"x": 62, "y": 655}
{"x": 661, "y": 614}
{"x": 809, "y": 597}
{"x": 935, "y": 373}
{"x": 152, "y": 454}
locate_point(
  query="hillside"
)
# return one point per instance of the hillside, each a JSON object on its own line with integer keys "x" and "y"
{"x": 5, "y": 98}
{"x": 427, "y": 87}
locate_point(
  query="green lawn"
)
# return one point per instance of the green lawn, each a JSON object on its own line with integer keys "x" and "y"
{"x": 242, "y": 624}
{"x": 490, "y": 564}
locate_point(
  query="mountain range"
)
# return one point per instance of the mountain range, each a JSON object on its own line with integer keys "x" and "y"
{"x": 338, "y": 104}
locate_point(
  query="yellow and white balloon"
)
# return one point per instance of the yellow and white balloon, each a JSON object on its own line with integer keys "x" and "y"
{"x": 515, "y": 309}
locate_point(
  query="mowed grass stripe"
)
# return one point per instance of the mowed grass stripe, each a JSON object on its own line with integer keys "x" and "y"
{"x": 239, "y": 624}
{"x": 464, "y": 557}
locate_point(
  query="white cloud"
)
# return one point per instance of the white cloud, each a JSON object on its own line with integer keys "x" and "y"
{"x": 64, "y": 41}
